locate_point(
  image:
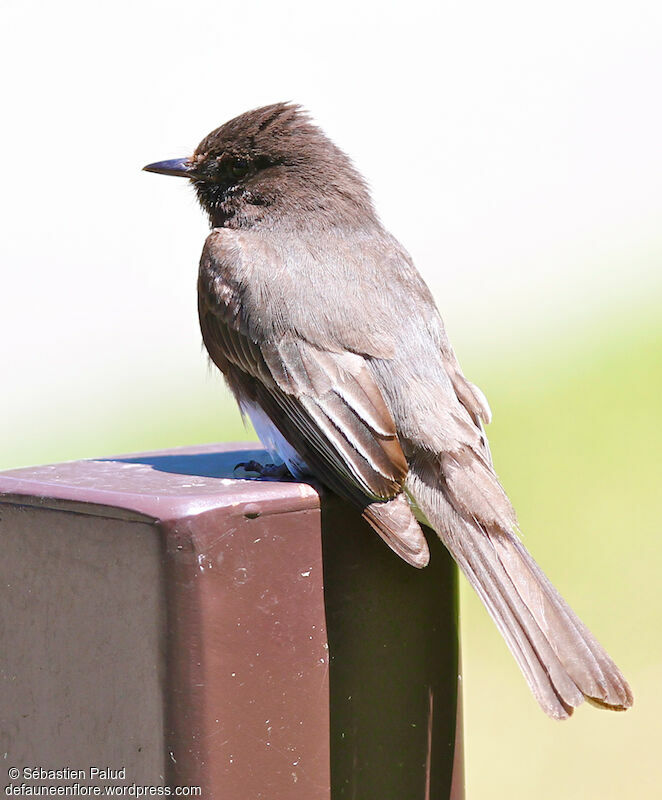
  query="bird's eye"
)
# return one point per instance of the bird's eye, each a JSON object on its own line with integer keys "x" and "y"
{"x": 239, "y": 167}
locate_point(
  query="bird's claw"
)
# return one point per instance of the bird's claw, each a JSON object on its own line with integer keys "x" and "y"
{"x": 277, "y": 471}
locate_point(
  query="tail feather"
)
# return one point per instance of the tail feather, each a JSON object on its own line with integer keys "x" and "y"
{"x": 551, "y": 686}
{"x": 611, "y": 688}
{"x": 560, "y": 659}
{"x": 394, "y": 521}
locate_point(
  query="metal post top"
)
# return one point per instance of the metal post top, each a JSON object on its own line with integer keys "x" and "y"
{"x": 165, "y": 484}
{"x": 292, "y": 653}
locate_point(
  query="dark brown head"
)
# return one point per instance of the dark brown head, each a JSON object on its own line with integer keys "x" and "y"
{"x": 273, "y": 166}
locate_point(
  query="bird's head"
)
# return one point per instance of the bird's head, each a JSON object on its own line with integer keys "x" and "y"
{"x": 272, "y": 164}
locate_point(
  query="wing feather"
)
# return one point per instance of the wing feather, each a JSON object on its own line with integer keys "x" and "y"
{"x": 326, "y": 404}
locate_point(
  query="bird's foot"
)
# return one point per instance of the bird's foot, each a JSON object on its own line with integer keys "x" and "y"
{"x": 273, "y": 471}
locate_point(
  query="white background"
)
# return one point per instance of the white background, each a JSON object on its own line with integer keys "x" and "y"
{"x": 514, "y": 148}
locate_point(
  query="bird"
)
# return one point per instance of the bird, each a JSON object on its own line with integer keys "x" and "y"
{"x": 333, "y": 346}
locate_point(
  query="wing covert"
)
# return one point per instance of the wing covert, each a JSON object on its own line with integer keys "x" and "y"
{"x": 326, "y": 404}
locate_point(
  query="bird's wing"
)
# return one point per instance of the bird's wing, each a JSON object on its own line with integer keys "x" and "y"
{"x": 470, "y": 397}
{"x": 326, "y": 404}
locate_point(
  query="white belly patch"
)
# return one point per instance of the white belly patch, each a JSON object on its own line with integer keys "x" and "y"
{"x": 273, "y": 441}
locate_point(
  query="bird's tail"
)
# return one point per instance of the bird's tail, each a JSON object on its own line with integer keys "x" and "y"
{"x": 394, "y": 521}
{"x": 559, "y": 657}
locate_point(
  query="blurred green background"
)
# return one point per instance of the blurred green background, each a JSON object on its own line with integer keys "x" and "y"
{"x": 576, "y": 440}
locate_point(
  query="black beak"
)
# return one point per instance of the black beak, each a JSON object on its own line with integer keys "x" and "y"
{"x": 176, "y": 166}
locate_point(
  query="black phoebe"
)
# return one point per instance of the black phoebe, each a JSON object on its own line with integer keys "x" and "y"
{"x": 332, "y": 344}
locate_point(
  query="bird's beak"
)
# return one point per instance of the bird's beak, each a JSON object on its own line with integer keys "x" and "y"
{"x": 175, "y": 166}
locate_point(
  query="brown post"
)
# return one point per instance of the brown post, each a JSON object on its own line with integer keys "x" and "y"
{"x": 161, "y": 616}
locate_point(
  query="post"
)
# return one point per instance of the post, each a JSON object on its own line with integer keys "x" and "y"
{"x": 164, "y": 618}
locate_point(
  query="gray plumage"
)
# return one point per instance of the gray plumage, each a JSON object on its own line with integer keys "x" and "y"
{"x": 332, "y": 343}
